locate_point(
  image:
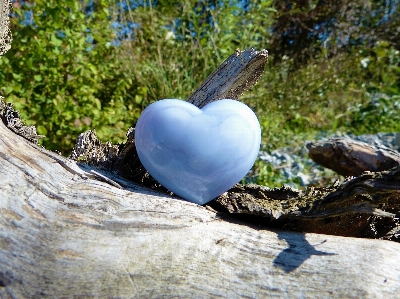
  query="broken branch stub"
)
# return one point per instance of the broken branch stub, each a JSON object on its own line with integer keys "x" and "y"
{"x": 238, "y": 73}
{"x": 350, "y": 157}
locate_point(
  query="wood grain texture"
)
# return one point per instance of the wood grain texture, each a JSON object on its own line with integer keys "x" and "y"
{"x": 351, "y": 158}
{"x": 64, "y": 234}
{"x": 232, "y": 78}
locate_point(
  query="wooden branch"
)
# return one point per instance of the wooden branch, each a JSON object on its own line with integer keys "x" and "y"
{"x": 234, "y": 76}
{"x": 342, "y": 209}
{"x": 351, "y": 158}
{"x": 65, "y": 234}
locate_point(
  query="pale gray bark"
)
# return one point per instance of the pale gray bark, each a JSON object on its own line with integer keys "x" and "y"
{"x": 235, "y": 75}
{"x": 5, "y": 33}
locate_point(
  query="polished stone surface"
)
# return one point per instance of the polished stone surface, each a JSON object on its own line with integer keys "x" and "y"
{"x": 198, "y": 153}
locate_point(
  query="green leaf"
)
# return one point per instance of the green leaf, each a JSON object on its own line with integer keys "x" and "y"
{"x": 17, "y": 88}
{"x": 8, "y": 89}
{"x": 37, "y": 77}
{"x": 138, "y": 99}
{"x": 41, "y": 130}
{"x": 93, "y": 69}
{"x": 16, "y": 76}
{"x": 55, "y": 41}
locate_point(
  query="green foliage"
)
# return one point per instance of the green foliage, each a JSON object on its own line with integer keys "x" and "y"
{"x": 379, "y": 115}
{"x": 61, "y": 81}
{"x": 354, "y": 92}
{"x": 339, "y": 93}
{"x": 178, "y": 44}
{"x": 263, "y": 173}
{"x": 381, "y": 111}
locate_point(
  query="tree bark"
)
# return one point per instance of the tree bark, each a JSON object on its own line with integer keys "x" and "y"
{"x": 5, "y": 32}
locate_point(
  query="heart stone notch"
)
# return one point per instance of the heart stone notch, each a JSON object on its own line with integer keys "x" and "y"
{"x": 198, "y": 153}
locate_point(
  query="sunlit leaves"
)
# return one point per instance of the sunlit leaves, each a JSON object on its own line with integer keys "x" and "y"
{"x": 60, "y": 74}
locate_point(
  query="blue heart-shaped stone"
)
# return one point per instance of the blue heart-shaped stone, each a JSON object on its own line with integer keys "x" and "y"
{"x": 197, "y": 153}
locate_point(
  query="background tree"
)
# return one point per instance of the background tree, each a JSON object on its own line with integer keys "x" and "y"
{"x": 63, "y": 72}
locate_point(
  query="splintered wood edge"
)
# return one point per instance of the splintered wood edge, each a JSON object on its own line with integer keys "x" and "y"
{"x": 238, "y": 73}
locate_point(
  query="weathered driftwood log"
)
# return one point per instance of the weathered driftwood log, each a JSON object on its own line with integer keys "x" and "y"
{"x": 351, "y": 158}
{"x": 66, "y": 233}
